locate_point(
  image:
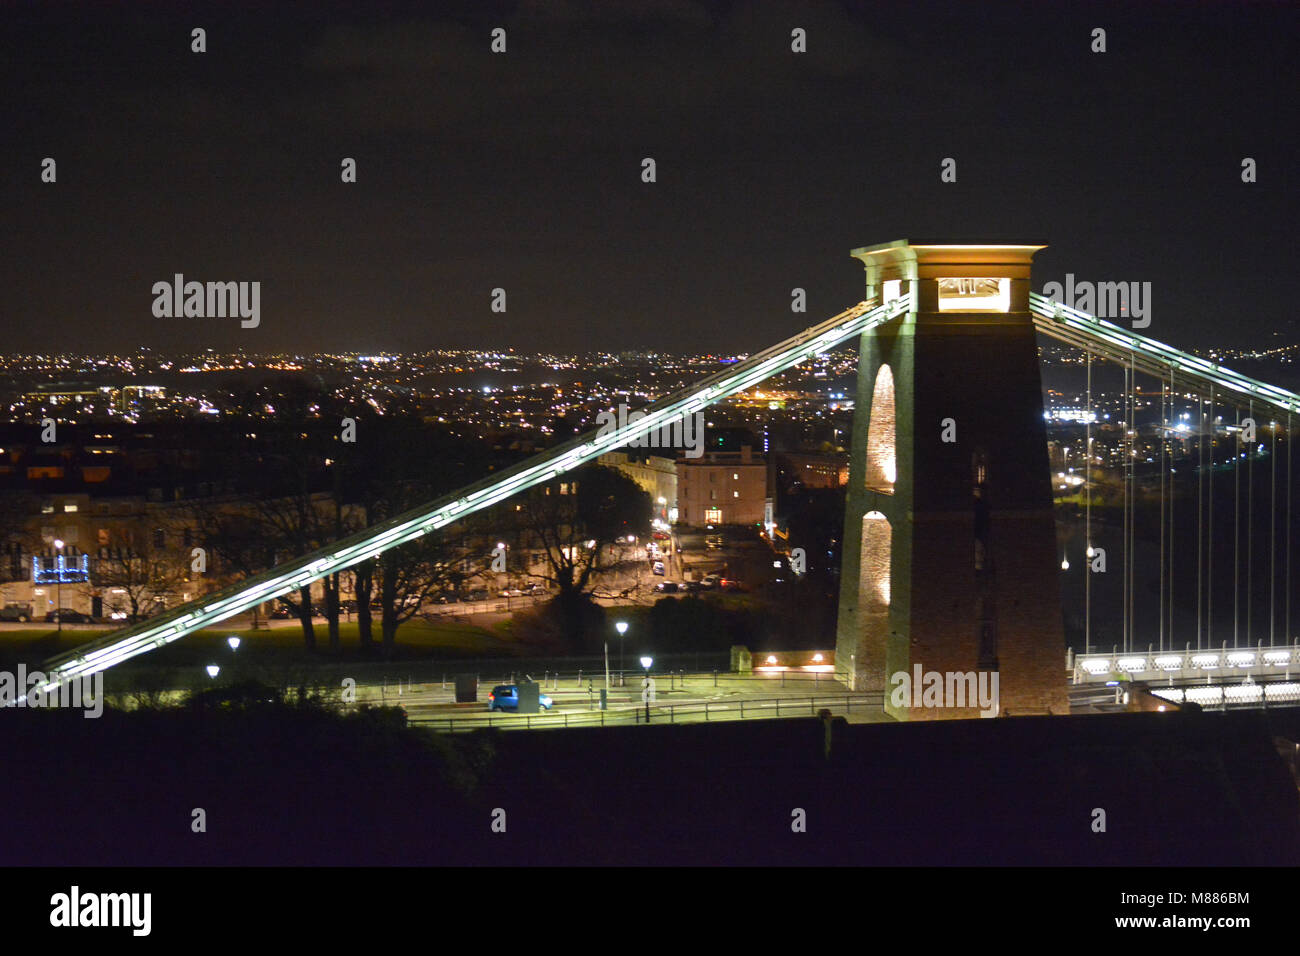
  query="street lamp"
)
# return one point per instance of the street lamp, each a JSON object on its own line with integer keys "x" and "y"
{"x": 645, "y": 693}
{"x": 607, "y": 665}
{"x": 58, "y": 577}
{"x": 213, "y": 670}
{"x": 503, "y": 549}
{"x": 233, "y": 641}
{"x": 621, "y": 627}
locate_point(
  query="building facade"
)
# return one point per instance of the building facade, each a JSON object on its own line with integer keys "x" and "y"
{"x": 723, "y": 488}
{"x": 654, "y": 474}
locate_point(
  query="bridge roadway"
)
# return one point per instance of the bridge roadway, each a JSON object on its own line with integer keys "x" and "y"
{"x": 1202, "y": 664}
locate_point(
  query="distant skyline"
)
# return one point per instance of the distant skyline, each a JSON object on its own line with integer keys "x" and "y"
{"x": 522, "y": 170}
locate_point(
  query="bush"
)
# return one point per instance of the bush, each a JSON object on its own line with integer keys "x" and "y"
{"x": 572, "y": 624}
{"x": 694, "y": 624}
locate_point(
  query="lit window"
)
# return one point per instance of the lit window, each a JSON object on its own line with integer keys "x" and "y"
{"x": 713, "y": 515}
{"x": 69, "y": 506}
{"x": 735, "y": 494}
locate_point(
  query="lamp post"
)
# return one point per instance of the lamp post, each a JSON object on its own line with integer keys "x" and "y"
{"x": 504, "y": 550}
{"x": 607, "y": 665}
{"x": 645, "y": 694}
{"x": 621, "y": 627}
{"x": 58, "y": 578}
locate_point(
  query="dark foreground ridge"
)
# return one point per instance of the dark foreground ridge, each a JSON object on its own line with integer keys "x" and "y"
{"x": 300, "y": 785}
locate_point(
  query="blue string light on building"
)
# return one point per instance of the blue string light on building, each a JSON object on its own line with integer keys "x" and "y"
{"x": 61, "y": 573}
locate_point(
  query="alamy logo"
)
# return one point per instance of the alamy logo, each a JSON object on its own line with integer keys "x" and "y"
{"x": 74, "y": 908}
{"x": 208, "y": 300}
{"x": 1105, "y": 300}
{"x": 680, "y": 431}
{"x": 947, "y": 689}
{"x": 28, "y": 690}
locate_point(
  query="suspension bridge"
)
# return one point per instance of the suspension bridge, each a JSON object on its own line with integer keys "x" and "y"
{"x": 950, "y": 553}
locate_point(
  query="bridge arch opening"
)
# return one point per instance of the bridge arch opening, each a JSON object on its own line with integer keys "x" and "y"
{"x": 877, "y": 553}
{"x": 882, "y": 462}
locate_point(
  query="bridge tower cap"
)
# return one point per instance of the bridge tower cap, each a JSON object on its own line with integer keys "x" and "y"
{"x": 907, "y": 259}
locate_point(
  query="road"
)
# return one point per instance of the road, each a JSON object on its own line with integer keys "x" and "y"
{"x": 695, "y": 697}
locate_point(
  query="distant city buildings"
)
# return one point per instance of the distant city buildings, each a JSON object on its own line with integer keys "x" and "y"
{"x": 126, "y": 453}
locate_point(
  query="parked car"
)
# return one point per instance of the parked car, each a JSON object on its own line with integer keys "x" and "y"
{"x": 691, "y": 587}
{"x": 713, "y": 542}
{"x": 506, "y": 697}
{"x": 711, "y": 582}
{"x": 478, "y": 594}
{"x": 730, "y": 584}
{"x": 657, "y": 568}
{"x": 280, "y": 613}
{"x": 69, "y": 617}
{"x": 666, "y": 587}
{"x": 22, "y": 613}
{"x": 511, "y": 592}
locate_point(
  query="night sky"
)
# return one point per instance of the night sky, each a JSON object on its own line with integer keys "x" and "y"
{"x": 523, "y": 170}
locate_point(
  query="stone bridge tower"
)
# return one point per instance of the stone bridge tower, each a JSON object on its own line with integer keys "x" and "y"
{"x": 949, "y": 548}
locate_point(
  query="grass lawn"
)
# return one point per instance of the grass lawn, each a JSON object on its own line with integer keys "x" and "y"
{"x": 417, "y": 639}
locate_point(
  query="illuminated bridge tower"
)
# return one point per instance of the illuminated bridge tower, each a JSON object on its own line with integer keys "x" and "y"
{"x": 949, "y": 553}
